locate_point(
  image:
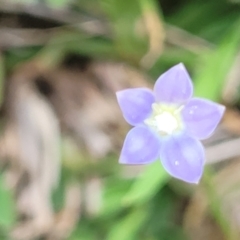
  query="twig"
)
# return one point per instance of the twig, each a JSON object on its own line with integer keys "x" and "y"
{"x": 95, "y": 27}
{"x": 186, "y": 40}
{"x": 76, "y": 20}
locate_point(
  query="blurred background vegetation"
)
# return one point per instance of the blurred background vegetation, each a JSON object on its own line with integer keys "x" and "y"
{"x": 61, "y": 62}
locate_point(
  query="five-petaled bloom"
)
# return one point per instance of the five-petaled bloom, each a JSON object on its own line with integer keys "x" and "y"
{"x": 168, "y": 124}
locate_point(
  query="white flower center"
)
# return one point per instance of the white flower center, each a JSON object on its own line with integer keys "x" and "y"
{"x": 166, "y": 122}
{"x": 165, "y": 119}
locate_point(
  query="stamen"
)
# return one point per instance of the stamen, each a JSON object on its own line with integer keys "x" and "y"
{"x": 165, "y": 119}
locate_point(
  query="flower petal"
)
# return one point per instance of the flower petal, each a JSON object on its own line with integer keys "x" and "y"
{"x": 183, "y": 158}
{"x": 141, "y": 146}
{"x": 174, "y": 86}
{"x": 136, "y": 104}
{"x": 201, "y": 117}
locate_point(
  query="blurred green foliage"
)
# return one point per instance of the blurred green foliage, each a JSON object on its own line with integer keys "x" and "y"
{"x": 145, "y": 208}
{"x": 7, "y": 208}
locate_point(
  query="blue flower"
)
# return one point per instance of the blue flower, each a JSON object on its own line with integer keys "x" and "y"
{"x": 168, "y": 124}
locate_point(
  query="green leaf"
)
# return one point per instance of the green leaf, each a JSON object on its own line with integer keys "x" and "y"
{"x": 210, "y": 78}
{"x": 7, "y": 208}
{"x": 57, "y": 3}
{"x": 84, "y": 230}
{"x": 147, "y": 185}
{"x": 127, "y": 228}
{"x": 114, "y": 191}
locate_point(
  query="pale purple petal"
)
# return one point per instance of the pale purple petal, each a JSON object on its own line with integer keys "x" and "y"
{"x": 183, "y": 158}
{"x": 174, "y": 86}
{"x": 201, "y": 117}
{"x": 136, "y": 104}
{"x": 141, "y": 146}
